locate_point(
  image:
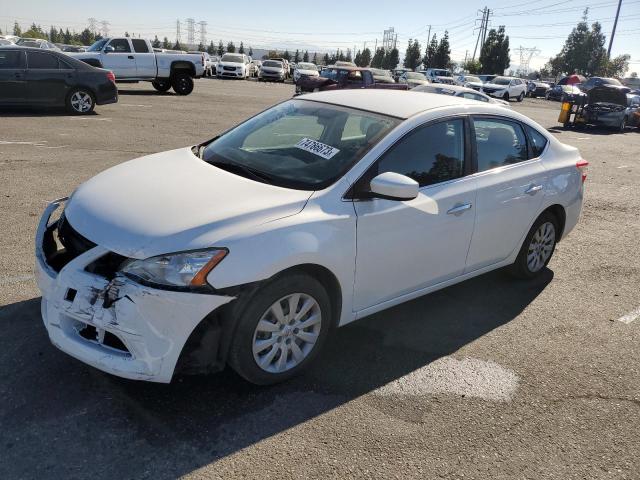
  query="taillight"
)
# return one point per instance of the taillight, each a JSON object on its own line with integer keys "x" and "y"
{"x": 582, "y": 165}
{"x": 111, "y": 77}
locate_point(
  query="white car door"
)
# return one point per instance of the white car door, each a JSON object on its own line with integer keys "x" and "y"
{"x": 403, "y": 246}
{"x": 121, "y": 60}
{"x": 510, "y": 190}
{"x": 145, "y": 59}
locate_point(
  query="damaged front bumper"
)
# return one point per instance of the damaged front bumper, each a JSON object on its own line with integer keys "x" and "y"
{"x": 118, "y": 326}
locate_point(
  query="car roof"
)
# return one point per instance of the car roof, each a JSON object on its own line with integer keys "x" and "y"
{"x": 395, "y": 103}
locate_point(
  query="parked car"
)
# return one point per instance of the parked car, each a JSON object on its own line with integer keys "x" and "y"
{"x": 611, "y": 106}
{"x": 413, "y": 79}
{"x": 285, "y": 62}
{"x": 208, "y": 64}
{"x": 486, "y": 78}
{"x": 439, "y": 75}
{"x": 537, "y": 89}
{"x": 457, "y": 91}
{"x": 343, "y": 63}
{"x": 4, "y": 42}
{"x": 45, "y": 78}
{"x": 398, "y": 72}
{"x": 564, "y": 92}
{"x": 36, "y": 43}
{"x": 338, "y": 78}
{"x": 304, "y": 70}
{"x": 273, "y": 70}
{"x": 234, "y": 65}
{"x": 11, "y": 38}
{"x": 506, "y": 88}
{"x": 314, "y": 213}
{"x": 598, "y": 82}
{"x": 133, "y": 60}
{"x": 382, "y": 76}
{"x": 469, "y": 81}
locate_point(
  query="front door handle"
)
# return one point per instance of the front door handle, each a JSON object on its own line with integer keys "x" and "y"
{"x": 130, "y": 57}
{"x": 459, "y": 209}
{"x": 533, "y": 189}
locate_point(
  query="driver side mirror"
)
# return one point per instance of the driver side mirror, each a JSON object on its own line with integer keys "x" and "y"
{"x": 394, "y": 186}
{"x": 108, "y": 49}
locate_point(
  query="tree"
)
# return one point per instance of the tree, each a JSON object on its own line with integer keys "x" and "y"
{"x": 391, "y": 59}
{"x": 126, "y": 34}
{"x": 472, "y": 66}
{"x": 35, "y": 31}
{"x": 315, "y": 58}
{"x": 348, "y": 57}
{"x": 340, "y": 56}
{"x": 618, "y": 66}
{"x": 494, "y": 55}
{"x": 67, "y": 37}
{"x": 177, "y": 46}
{"x": 241, "y": 49}
{"x": 326, "y": 59}
{"x": 156, "y": 42}
{"x": 86, "y": 37}
{"x": 286, "y": 55}
{"x": 365, "y": 59}
{"x": 251, "y": 51}
{"x": 412, "y": 55}
{"x": 358, "y": 59}
{"x": 211, "y": 49}
{"x": 305, "y": 56}
{"x": 442, "y": 58}
{"x": 17, "y": 31}
{"x": 220, "y": 48}
{"x": 430, "y": 53}
{"x": 53, "y": 35}
{"x": 231, "y": 48}
{"x": 378, "y": 58}
{"x": 201, "y": 47}
{"x": 165, "y": 43}
{"x": 296, "y": 56}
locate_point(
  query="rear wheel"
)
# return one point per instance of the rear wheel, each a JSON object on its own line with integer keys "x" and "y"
{"x": 537, "y": 248}
{"x": 80, "y": 101}
{"x": 281, "y": 330}
{"x": 182, "y": 83}
{"x": 520, "y": 97}
{"x": 161, "y": 84}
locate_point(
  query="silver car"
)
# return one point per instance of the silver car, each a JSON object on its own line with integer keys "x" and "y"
{"x": 463, "y": 92}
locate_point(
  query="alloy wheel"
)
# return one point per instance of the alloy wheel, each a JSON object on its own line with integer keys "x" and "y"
{"x": 541, "y": 247}
{"x": 81, "y": 101}
{"x": 287, "y": 333}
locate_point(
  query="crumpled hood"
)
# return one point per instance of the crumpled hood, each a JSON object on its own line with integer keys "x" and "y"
{"x": 173, "y": 201}
{"x": 608, "y": 94}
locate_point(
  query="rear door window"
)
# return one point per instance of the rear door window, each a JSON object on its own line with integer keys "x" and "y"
{"x": 10, "y": 59}
{"x": 140, "y": 46}
{"x": 538, "y": 141}
{"x": 499, "y": 142}
{"x": 429, "y": 155}
{"x": 41, "y": 60}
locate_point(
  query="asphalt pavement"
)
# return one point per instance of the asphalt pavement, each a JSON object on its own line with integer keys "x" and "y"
{"x": 490, "y": 379}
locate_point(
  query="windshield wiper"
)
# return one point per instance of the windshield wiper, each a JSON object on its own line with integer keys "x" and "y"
{"x": 244, "y": 171}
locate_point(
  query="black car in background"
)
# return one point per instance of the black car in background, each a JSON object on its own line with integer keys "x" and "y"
{"x": 593, "y": 82}
{"x": 45, "y": 78}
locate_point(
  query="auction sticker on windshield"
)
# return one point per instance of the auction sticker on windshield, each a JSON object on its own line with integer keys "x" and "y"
{"x": 317, "y": 148}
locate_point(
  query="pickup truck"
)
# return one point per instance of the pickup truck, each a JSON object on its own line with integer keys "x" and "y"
{"x": 338, "y": 78}
{"x": 133, "y": 60}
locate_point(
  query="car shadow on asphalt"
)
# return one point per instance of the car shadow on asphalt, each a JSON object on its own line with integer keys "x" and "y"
{"x": 142, "y": 93}
{"x": 77, "y": 418}
{"x": 39, "y": 112}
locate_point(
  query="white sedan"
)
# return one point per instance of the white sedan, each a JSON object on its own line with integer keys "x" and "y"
{"x": 457, "y": 91}
{"x": 249, "y": 248}
{"x": 305, "y": 69}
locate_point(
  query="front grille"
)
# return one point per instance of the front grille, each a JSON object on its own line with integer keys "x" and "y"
{"x": 229, "y": 69}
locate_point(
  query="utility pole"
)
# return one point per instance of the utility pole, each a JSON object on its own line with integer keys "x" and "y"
{"x": 613, "y": 32}
{"x": 482, "y": 22}
{"x": 429, "y": 35}
{"x": 486, "y": 24}
{"x": 178, "y": 35}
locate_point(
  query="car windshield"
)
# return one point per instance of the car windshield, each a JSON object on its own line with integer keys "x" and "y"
{"x": 415, "y": 76}
{"x": 306, "y": 66}
{"x": 232, "y": 58}
{"x": 442, "y": 73}
{"x": 501, "y": 81}
{"x": 272, "y": 63}
{"x": 97, "y": 46}
{"x": 298, "y": 144}
{"x": 472, "y": 79}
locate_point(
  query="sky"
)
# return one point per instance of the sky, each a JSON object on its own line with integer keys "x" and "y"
{"x": 332, "y": 24}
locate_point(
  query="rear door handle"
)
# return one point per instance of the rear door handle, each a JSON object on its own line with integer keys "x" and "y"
{"x": 130, "y": 57}
{"x": 533, "y": 189}
{"x": 459, "y": 209}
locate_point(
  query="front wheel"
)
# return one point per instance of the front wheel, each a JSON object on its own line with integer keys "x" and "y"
{"x": 281, "y": 330}
{"x": 520, "y": 97}
{"x": 505, "y": 97}
{"x": 161, "y": 85}
{"x": 80, "y": 102}
{"x": 182, "y": 84}
{"x": 537, "y": 248}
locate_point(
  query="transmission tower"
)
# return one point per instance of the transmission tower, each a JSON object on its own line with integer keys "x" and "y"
{"x": 191, "y": 31}
{"x": 92, "y": 24}
{"x": 178, "y": 35}
{"x": 105, "y": 28}
{"x": 388, "y": 39}
{"x": 525, "y": 57}
{"x": 203, "y": 32}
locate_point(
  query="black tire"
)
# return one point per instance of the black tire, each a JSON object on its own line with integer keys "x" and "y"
{"x": 623, "y": 125}
{"x": 521, "y": 267}
{"x": 161, "y": 84}
{"x": 506, "y": 96}
{"x": 241, "y": 356}
{"x": 77, "y": 107}
{"x": 520, "y": 97}
{"x": 182, "y": 83}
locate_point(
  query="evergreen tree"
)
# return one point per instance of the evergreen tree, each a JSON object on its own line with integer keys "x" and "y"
{"x": 165, "y": 43}
{"x": 250, "y": 51}
{"x": 201, "y": 47}
{"x": 315, "y": 58}
{"x": 220, "y": 48}
{"x": 365, "y": 59}
{"x": 326, "y": 59}
{"x": 231, "y": 48}
{"x": 86, "y": 37}
{"x": 411, "y": 55}
{"x": 17, "y": 31}
{"x": 442, "y": 58}
{"x": 296, "y": 56}
{"x": 286, "y": 55}
{"x": 305, "y": 57}
{"x": 177, "y": 46}
{"x": 67, "y": 38}
{"x": 358, "y": 58}
{"x": 53, "y": 35}
{"x": 156, "y": 42}
{"x": 241, "y": 49}
{"x": 348, "y": 56}
{"x": 211, "y": 49}
{"x": 430, "y": 53}
{"x": 494, "y": 55}
{"x": 392, "y": 59}
{"x": 378, "y": 58}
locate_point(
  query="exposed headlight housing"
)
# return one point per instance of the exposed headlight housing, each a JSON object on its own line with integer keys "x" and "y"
{"x": 183, "y": 269}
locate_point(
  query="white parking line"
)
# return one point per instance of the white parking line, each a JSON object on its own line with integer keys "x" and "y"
{"x": 86, "y": 119}
{"x": 11, "y": 142}
{"x": 623, "y": 166}
{"x": 630, "y": 317}
{"x": 16, "y": 279}
{"x": 134, "y": 105}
